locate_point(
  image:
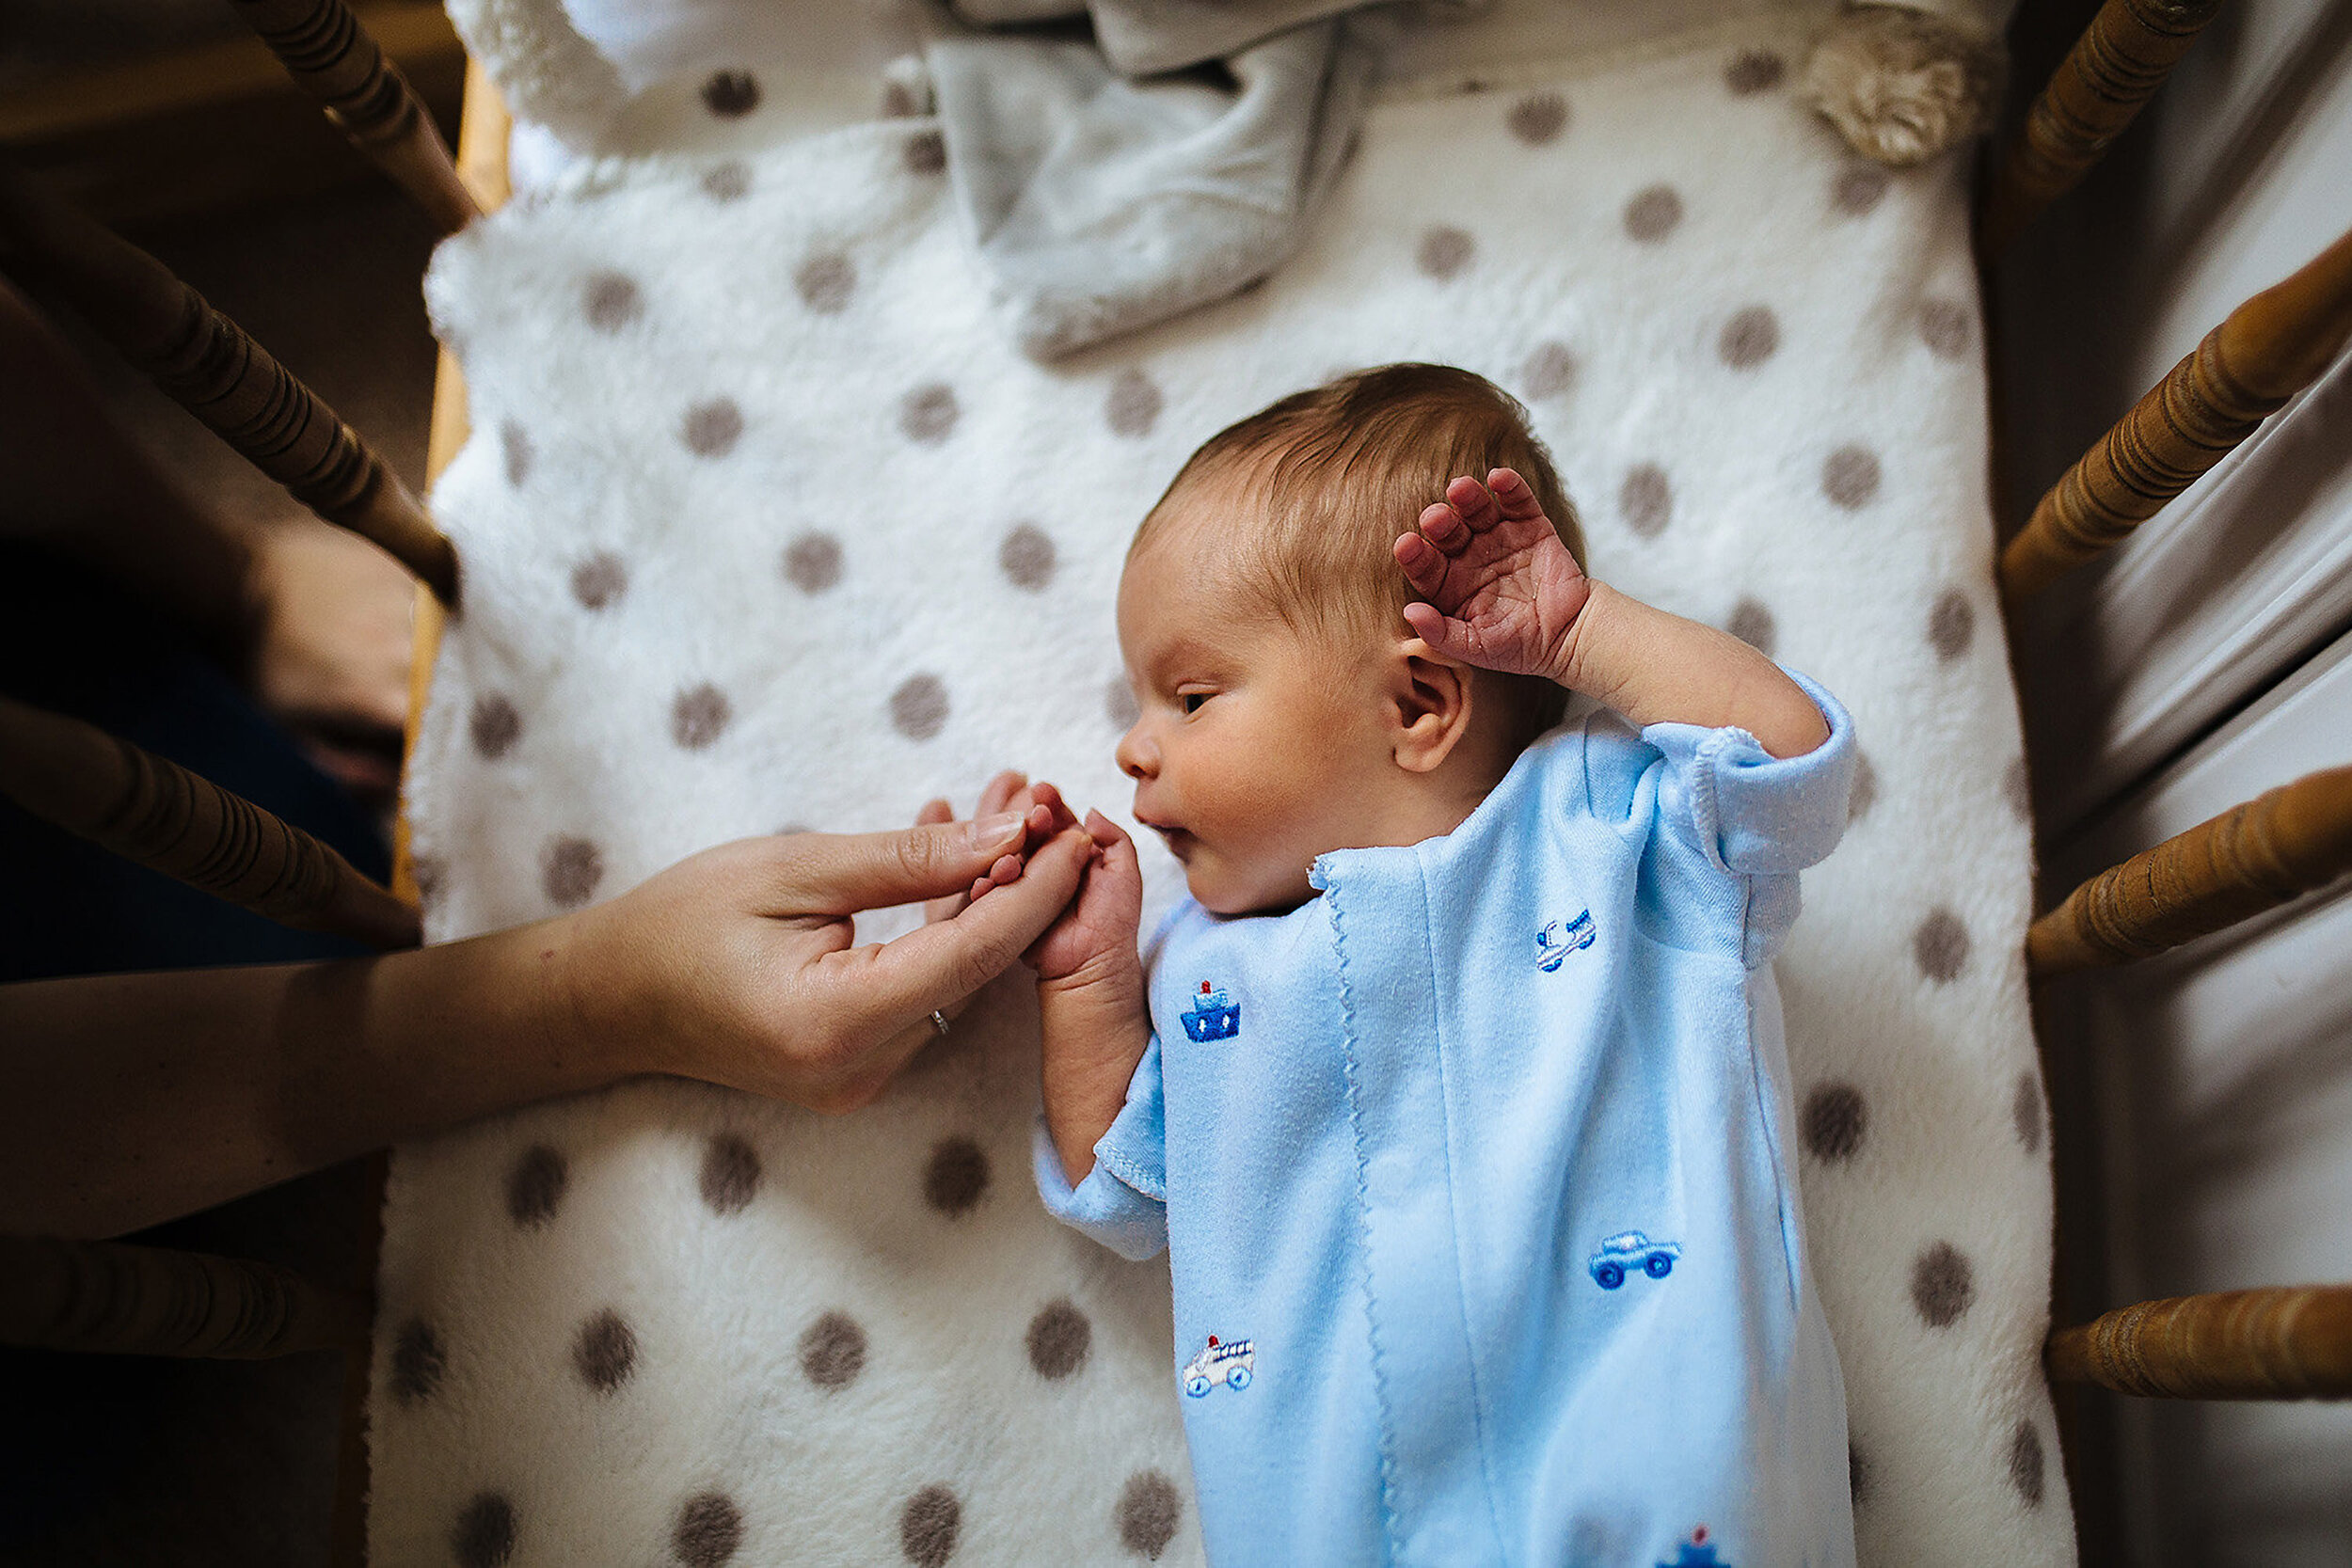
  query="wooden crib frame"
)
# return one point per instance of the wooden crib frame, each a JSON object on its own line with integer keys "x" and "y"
{"x": 2272, "y": 1343}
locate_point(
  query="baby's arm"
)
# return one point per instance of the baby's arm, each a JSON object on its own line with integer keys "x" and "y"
{"x": 1503, "y": 592}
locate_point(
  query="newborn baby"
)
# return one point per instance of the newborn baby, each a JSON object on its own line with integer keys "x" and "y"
{"x": 1457, "y": 1090}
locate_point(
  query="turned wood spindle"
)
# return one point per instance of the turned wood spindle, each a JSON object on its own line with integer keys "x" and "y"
{"x": 111, "y": 1299}
{"x": 2287, "y": 1342}
{"x": 332, "y": 57}
{"x": 2270, "y": 348}
{"x": 2253, "y": 857}
{"x": 226, "y": 379}
{"x": 150, "y": 810}
{"x": 2118, "y": 64}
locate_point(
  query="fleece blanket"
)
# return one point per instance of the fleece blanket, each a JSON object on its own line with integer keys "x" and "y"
{"x": 767, "y": 522}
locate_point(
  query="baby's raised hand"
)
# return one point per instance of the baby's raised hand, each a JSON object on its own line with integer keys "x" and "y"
{"x": 1502, "y": 591}
{"x": 1094, "y": 939}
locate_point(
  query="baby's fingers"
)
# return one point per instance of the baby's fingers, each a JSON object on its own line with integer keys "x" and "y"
{"x": 1442, "y": 632}
{"x": 1474, "y": 502}
{"x": 1425, "y": 564}
{"x": 1514, "y": 497}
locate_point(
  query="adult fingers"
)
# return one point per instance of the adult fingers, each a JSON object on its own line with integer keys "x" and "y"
{"x": 997, "y": 794}
{"x": 933, "y": 814}
{"x": 837, "y": 874}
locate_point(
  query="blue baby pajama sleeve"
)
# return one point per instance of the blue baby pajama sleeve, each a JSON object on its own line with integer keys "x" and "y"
{"x": 1122, "y": 1203}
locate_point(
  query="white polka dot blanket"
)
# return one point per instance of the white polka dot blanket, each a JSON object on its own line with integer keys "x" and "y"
{"x": 767, "y": 522}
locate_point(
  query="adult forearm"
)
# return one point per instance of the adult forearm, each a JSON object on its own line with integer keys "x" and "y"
{"x": 137, "y": 1098}
{"x": 1655, "y": 666}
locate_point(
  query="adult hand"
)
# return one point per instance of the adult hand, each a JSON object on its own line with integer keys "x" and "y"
{"x": 737, "y": 966}
{"x": 331, "y": 649}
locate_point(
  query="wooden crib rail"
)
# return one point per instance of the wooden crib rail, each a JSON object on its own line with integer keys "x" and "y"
{"x": 226, "y": 379}
{"x": 2253, "y": 857}
{"x": 2270, "y": 348}
{"x": 332, "y": 57}
{"x": 2118, "y": 64}
{"x": 109, "y": 1298}
{"x": 152, "y": 810}
{"x": 2288, "y": 1342}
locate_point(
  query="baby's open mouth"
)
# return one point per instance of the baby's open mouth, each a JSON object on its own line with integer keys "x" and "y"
{"x": 1178, "y": 840}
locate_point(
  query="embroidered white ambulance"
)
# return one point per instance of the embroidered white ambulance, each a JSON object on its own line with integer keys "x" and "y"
{"x": 1228, "y": 1364}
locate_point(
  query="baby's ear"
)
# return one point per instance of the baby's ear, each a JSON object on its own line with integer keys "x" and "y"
{"x": 1429, "y": 703}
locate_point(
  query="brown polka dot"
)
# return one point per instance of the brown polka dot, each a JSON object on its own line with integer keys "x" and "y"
{"x": 918, "y": 709}
{"x": 1749, "y": 337}
{"x": 699, "y": 716}
{"x": 1060, "y": 1337}
{"x": 2017, "y": 790}
{"x": 730, "y": 1174}
{"x": 2025, "y": 1108}
{"x": 1857, "y": 1474}
{"x": 926, "y": 153}
{"x": 812, "y": 563}
{"x": 929, "y": 1524}
{"x": 833, "y": 1351}
{"x": 927, "y": 414}
{"x": 825, "y": 281}
{"x": 429, "y": 875}
{"x": 1850, "y": 477}
{"x": 1539, "y": 119}
{"x": 611, "y": 301}
{"x": 514, "y": 452}
{"x": 1858, "y": 188}
{"x": 1952, "y": 624}
{"x": 727, "y": 182}
{"x": 791, "y": 827}
{"x": 605, "y": 1352}
{"x": 1751, "y": 624}
{"x": 599, "y": 580}
{"x": 900, "y": 101}
{"x": 569, "y": 871}
{"x": 1549, "y": 370}
{"x": 2025, "y": 1463}
{"x": 730, "y": 94}
{"x": 494, "y": 725}
{"x": 709, "y": 1530}
{"x": 535, "y": 1186}
{"x": 1653, "y": 214}
{"x": 1943, "y": 1285}
{"x": 1941, "y": 946}
{"x": 1150, "y": 1508}
{"x": 1119, "y": 704}
{"x": 418, "y": 1362}
{"x": 1444, "y": 251}
{"x": 1026, "y": 557}
{"x": 483, "y": 1536}
{"x": 1754, "y": 71}
{"x": 1833, "y": 1121}
{"x": 1866, "y": 787}
{"x": 1943, "y": 327}
{"x": 711, "y": 429}
{"x": 955, "y": 1177}
{"x": 1134, "y": 404}
{"x": 1646, "y": 499}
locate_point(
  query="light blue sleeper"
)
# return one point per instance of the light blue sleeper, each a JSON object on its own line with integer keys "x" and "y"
{"x": 1477, "y": 1179}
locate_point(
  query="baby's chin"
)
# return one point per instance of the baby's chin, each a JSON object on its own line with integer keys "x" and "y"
{"x": 1217, "y": 890}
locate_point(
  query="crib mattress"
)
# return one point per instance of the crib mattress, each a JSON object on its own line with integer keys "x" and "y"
{"x": 767, "y": 525}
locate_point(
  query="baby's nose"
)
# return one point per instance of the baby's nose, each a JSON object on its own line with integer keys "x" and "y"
{"x": 1135, "y": 760}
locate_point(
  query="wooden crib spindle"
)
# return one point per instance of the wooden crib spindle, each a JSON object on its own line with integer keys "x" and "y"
{"x": 226, "y": 379}
{"x": 2118, "y": 64}
{"x": 104, "y": 1297}
{"x": 2253, "y": 857}
{"x": 332, "y": 57}
{"x": 2270, "y": 348}
{"x": 150, "y": 810}
{"x": 2286, "y": 1342}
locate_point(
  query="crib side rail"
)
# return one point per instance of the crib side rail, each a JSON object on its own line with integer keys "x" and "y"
{"x": 152, "y": 810}
{"x": 212, "y": 369}
{"x": 331, "y": 56}
{"x": 112, "y": 1299}
{"x": 2118, "y": 64}
{"x": 2284, "y": 1342}
{"x": 2268, "y": 349}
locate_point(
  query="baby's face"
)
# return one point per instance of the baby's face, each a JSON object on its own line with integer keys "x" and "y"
{"x": 1257, "y": 748}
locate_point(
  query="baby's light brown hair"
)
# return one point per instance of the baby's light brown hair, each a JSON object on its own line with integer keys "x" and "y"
{"x": 1340, "y": 471}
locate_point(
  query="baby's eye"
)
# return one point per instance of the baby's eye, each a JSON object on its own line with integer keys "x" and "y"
{"x": 1192, "y": 700}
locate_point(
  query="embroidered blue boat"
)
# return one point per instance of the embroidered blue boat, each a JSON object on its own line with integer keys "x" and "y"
{"x": 1697, "y": 1552}
{"x": 1212, "y": 1016}
{"x": 1554, "y": 943}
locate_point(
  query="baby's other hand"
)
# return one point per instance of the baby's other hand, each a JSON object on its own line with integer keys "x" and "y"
{"x": 1500, "y": 591}
{"x": 1094, "y": 942}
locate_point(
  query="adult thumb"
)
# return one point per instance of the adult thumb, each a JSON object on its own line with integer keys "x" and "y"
{"x": 843, "y": 873}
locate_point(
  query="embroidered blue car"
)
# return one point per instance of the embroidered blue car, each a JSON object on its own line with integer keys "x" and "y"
{"x": 1626, "y": 1251}
{"x": 1554, "y": 943}
{"x": 1228, "y": 1364}
{"x": 1212, "y": 1016}
{"x": 1697, "y": 1552}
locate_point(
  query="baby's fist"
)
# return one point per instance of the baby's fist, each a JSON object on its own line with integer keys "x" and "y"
{"x": 1093, "y": 942}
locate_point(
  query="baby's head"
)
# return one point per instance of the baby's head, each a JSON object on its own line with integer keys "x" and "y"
{"x": 1286, "y": 707}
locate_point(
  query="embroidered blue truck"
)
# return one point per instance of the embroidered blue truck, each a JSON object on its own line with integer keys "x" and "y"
{"x": 1212, "y": 1016}
{"x": 1228, "y": 1364}
{"x": 1626, "y": 1251}
{"x": 1554, "y": 943}
{"x": 1697, "y": 1552}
